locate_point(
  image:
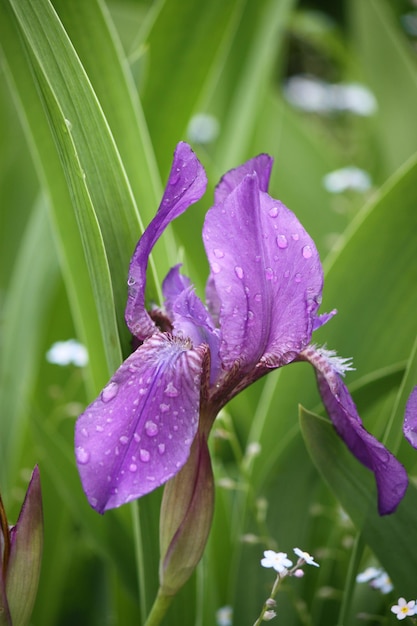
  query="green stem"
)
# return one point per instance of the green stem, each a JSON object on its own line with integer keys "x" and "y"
{"x": 160, "y": 607}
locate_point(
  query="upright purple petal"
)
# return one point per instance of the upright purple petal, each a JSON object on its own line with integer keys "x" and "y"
{"x": 261, "y": 165}
{"x": 267, "y": 275}
{"x": 390, "y": 475}
{"x": 410, "y": 420}
{"x": 186, "y": 184}
{"x": 139, "y": 431}
{"x": 190, "y": 317}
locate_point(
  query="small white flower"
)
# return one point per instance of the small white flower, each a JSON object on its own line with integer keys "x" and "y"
{"x": 383, "y": 583}
{"x": 277, "y": 560}
{"x": 203, "y": 128}
{"x": 305, "y": 556}
{"x": 224, "y": 616}
{"x": 346, "y": 178}
{"x": 268, "y": 615}
{"x": 369, "y": 574}
{"x": 404, "y": 609}
{"x": 67, "y": 352}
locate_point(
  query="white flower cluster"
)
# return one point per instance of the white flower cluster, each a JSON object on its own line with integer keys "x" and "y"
{"x": 377, "y": 578}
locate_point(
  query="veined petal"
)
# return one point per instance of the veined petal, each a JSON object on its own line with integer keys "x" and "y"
{"x": 190, "y": 317}
{"x": 267, "y": 275}
{"x": 186, "y": 184}
{"x": 390, "y": 475}
{"x": 410, "y": 420}
{"x": 139, "y": 431}
{"x": 261, "y": 165}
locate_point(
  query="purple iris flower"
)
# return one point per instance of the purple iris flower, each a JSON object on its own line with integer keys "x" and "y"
{"x": 262, "y": 297}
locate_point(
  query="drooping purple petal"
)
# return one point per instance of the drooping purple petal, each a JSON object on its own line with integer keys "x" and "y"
{"x": 267, "y": 275}
{"x": 261, "y": 165}
{"x": 190, "y": 317}
{"x": 137, "y": 434}
{"x": 186, "y": 184}
{"x": 410, "y": 420}
{"x": 390, "y": 476}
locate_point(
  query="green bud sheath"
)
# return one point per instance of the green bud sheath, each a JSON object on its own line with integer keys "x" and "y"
{"x": 186, "y": 516}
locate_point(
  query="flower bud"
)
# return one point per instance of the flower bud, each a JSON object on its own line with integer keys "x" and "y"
{"x": 21, "y": 553}
{"x": 185, "y": 521}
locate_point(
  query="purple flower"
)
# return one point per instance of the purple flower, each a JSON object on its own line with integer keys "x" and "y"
{"x": 410, "y": 420}
{"x": 263, "y": 293}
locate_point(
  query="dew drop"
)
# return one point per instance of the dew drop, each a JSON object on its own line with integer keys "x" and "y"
{"x": 109, "y": 392}
{"x": 297, "y": 278}
{"x": 215, "y": 268}
{"x": 82, "y": 456}
{"x": 282, "y": 242}
{"x": 144, "y": 455}
{"x": 171, "y": 391}
{"x": 133, "y": 467}
{"x": 151, "y": 429}
{"x": 286, "y": 273}
{"x": 161, "y": 448}
{"x": 295, "y": 236}
{"x": 84, "y": 432}
{"x": 136, "y": 437}
{"x": 258, "y": 297}
{"x": 273, "y": 212}
{"x": 307, "y": 252}
{"x": 251, "y": 315}
{"x": 269, "y": 273}
{"x": 219, "y": 254}
{"x": 164, "y": 407}
{"x": 239, "y": 271}
{"x": 131, "y": 281}
{"x": 124, "y": 440}
{"x": 99, "y": 428}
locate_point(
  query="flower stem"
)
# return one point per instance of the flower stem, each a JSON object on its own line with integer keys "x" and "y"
{"x": 159, "y": 608}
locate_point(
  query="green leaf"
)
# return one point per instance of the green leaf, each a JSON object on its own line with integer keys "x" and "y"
{"x": 353, "y": 486}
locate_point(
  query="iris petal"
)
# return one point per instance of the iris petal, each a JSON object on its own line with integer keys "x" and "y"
{"x": 390, "y": 475}
{"x": 138, "y": 433}
{"x": 190, "y": 317}
{"x": 186, "y": 184}
{"x": 410, "y": 420}
{"x": 261, "y": 165}
{"x": 266, "y": 273}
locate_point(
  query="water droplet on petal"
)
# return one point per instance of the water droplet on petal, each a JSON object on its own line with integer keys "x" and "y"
{"x": 109, "y": 392}
{"x": 131, "y": 281}
{"x": 136, "y": 437}
{"x": 297, "y": 278}
{"x": 307, "y": 252}
{"x": 258, "y": 297}
{"x": 99, "y": 428}
{"x": 144, "y": 455}
{"x": 269, "y": 273}
{"x": 273, "y": 212}
{"x": 124, "y": 440}
{"x": 219, "y": 254}
{"x": 295, "y": 236}
{"x": 133, "y": 467}
{"x": 215, "y": 268}
{"x": 164, "y": 407}
{"x": 84, "y": 432}
{"x": 239, "y": 272}
{"x": 282, "y": 242}
{"x": 151, "y": 428}
{"x": 251, "y": 315}
{"x": 82, "y": 456}
{"x": 171, "y": 391}
{"x": 161, "y": 448}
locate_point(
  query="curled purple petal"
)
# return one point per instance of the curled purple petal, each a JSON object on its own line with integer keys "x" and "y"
{"x": 137, "y": 434}
{"x": 190, "y": 317}
{"x": 410, "y": 420}
{"x": 261, "y": 165}
{"x": 320, "y": 320}
{"x": 267, "y": 275}
{"x": 390, "y": 476}
{"x": 186, "y": 184}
